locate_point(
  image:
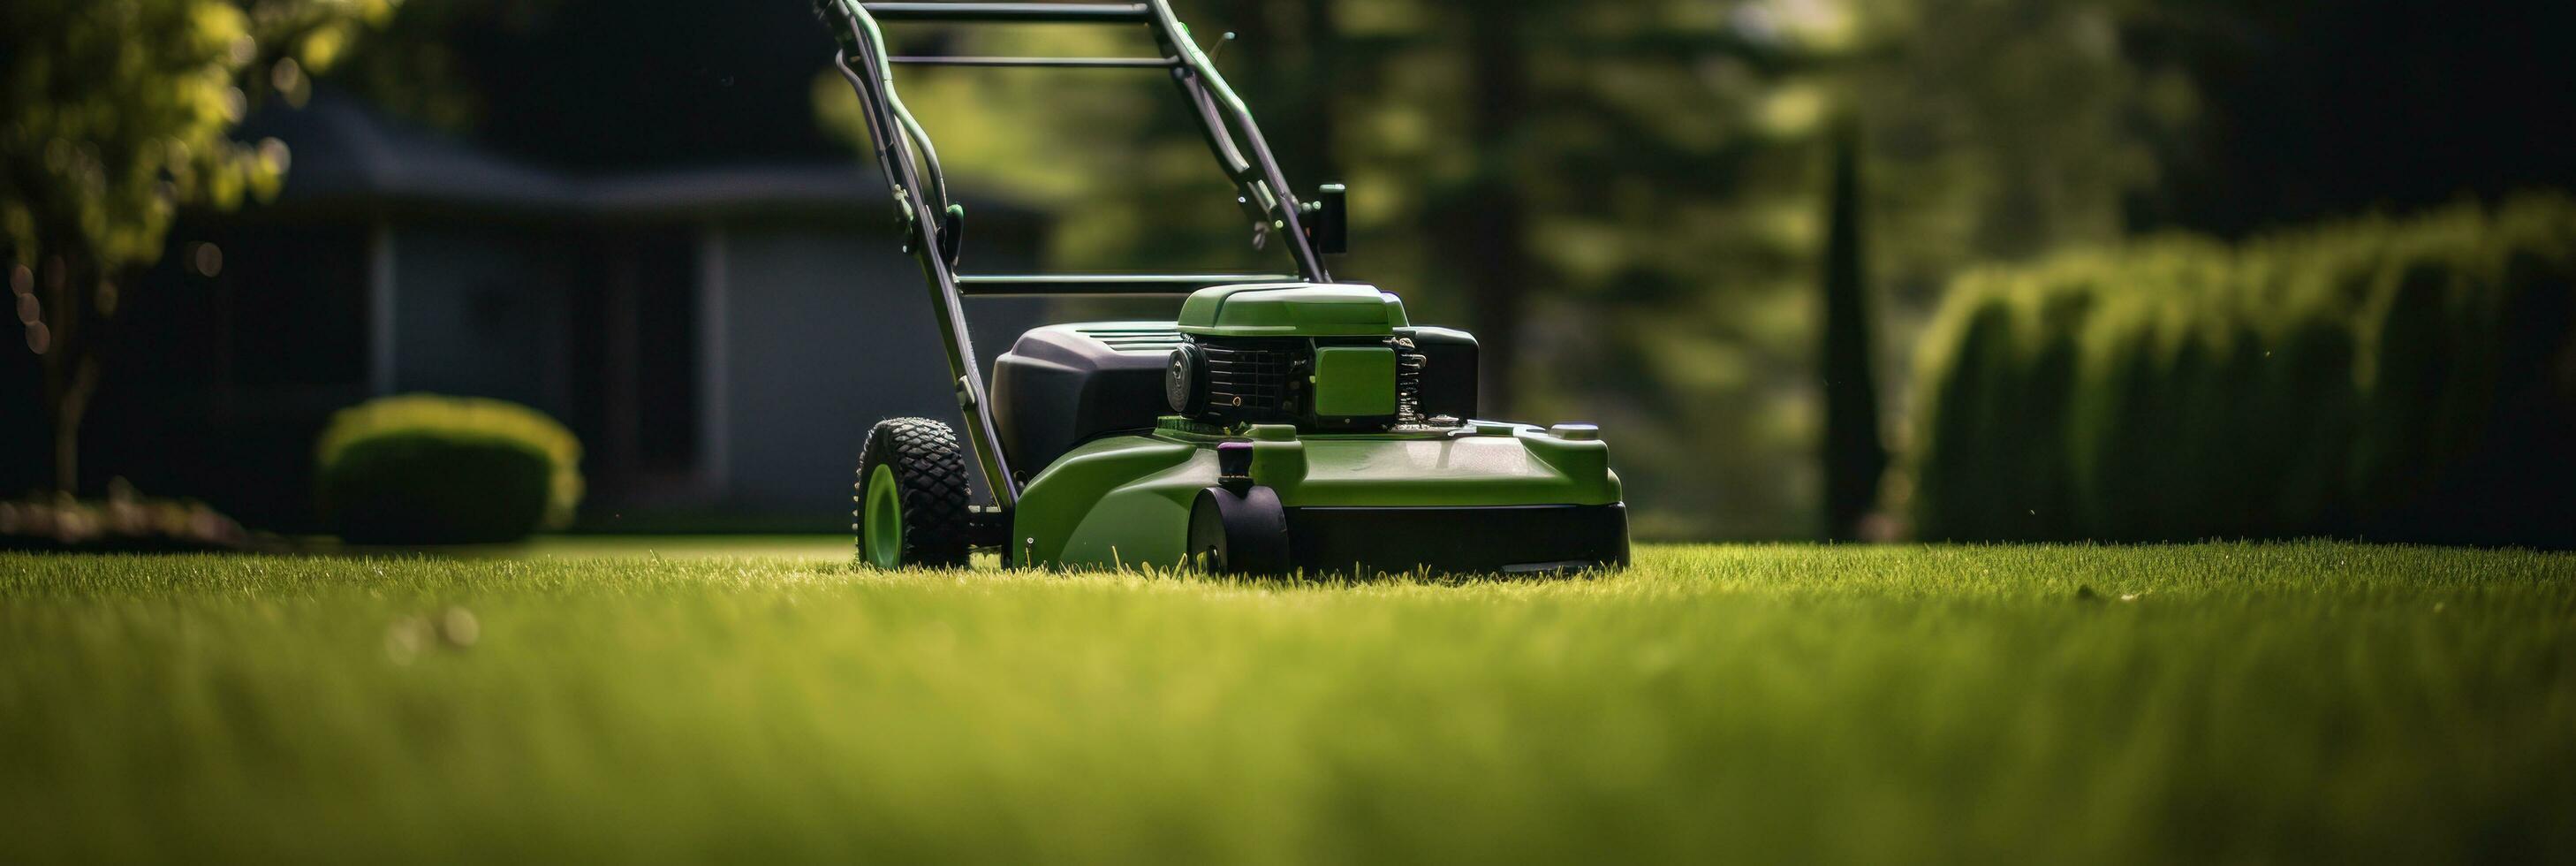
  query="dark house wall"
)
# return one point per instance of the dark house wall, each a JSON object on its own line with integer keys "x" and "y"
{"x": 217, "y": 386}
{"x": 221, "y": 385}
{"x": 549, "y": 252}
{"x": 483, "y": 309}
{"x": 828, "y": 332}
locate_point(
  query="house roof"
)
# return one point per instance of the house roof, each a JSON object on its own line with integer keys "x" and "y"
{"x": 344, "y": 154}
{"x": 740, "y": 190}
{"x": 347, "y": 157}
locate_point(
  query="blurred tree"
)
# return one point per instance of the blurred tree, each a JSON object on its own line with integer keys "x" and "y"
{"x": 2017, "y": 127}
{"x": 1287, "y": 51}
{"x": 1480, "y": 221}
{"x": 605, "y": 84}
{"x": 1618, "y": 198}
{"x": 1855, "y": 457}
{"x": 440, "y": 64}
{"x": 2318, "y": 108}
{"x": 113, "y": 115}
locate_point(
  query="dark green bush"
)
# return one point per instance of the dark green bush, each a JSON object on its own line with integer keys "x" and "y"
{"x": 2405, "y": 380}
{"x": 439, "y": 470}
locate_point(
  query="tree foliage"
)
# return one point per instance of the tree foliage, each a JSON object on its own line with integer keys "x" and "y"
{"x": 602, "y": 85}
{"x": 1622, "y": 200}
{"x": 114, "y": 115}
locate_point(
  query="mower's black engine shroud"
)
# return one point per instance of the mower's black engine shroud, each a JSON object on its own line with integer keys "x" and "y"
{"x": 1063, "y": 385}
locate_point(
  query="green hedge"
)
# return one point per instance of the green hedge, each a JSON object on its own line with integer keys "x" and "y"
{"x": 425, "y": 469}
{"x": 2398, "y": 380}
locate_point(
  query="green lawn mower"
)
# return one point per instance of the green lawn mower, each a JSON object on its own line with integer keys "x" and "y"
{"x": 1284, "y": 423}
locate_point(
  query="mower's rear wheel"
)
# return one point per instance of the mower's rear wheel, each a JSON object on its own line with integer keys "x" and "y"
{"x": 911, "y": 495}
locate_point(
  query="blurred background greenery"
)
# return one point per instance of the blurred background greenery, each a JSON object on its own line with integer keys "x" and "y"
{"x": 1717, "y": 227}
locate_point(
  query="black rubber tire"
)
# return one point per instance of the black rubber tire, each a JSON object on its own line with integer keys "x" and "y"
{"x": 930, "y": 482}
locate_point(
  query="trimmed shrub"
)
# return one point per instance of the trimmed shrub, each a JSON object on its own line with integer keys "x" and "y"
{"x": 426, "y": 469}
{"x": 2407, "y": 380}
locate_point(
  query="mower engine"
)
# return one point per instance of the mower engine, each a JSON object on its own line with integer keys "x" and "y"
{"x": 1328, "y": 384}
{"x": 1323, "y": 358}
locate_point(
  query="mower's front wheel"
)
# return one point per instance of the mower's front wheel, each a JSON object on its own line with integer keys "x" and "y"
{"x": 1239, "y": 533}
{"x": 912, "y": 496}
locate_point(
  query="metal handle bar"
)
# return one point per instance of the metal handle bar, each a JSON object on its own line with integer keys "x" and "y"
{"x": 1012, "y": 13}
{"x": 1222, "y": 115}
{"x": 904, "y": 151}
{"x": 1264, "y": 187}
{"x": 1005, "y": 285}
{"x": 902, "y": 140}
{"x": 1061, "y": 62}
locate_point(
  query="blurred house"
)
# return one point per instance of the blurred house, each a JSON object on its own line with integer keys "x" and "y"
{"x": 720, "y": 336}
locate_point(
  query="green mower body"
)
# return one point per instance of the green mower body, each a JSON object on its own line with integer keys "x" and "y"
{"x": 1278, "y": 423}
{"x": 1485, "y": 498}
{"x": 1341, "y": 425}
{"x": 1316, "y": 408}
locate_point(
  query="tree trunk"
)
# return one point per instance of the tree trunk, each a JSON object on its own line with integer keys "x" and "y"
{"x": 69, "y": 354}
{"x": 1854, "y": 456}
{"x": 1485, "y": 230}
{"x": 70, "y": 404}
{"x": 1294, "y": 100}
{"x": 1314, "y": 132}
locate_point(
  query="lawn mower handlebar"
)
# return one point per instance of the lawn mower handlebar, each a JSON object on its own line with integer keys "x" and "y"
{"x": 1012, "y": 13}
{"x": 933, "y": 223}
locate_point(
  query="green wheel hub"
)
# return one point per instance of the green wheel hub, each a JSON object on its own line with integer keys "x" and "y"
{"x": 882, "y": 528}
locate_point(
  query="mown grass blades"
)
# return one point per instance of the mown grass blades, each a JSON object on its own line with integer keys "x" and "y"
{"x": 2065, "y": 704}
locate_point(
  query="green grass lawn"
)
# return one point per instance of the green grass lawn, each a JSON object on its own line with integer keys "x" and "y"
{"x": 2201, "y": 703}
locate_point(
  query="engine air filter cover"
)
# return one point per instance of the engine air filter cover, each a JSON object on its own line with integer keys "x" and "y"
{"x": 1292, "y": 310}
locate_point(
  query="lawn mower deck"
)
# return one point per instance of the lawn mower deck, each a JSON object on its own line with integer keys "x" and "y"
{"x": 1280, "y": 423}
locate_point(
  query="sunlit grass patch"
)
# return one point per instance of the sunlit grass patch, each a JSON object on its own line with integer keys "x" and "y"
{"x": 2065, "y": 704}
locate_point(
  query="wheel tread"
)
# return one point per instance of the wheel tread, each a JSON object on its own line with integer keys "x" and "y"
{"x": 931, "y": 483}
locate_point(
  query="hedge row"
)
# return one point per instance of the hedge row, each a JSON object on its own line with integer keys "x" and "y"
{"x": 2398, "y": 380}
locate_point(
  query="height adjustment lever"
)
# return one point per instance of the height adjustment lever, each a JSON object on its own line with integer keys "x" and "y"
{"x": 1234, "y": 466}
